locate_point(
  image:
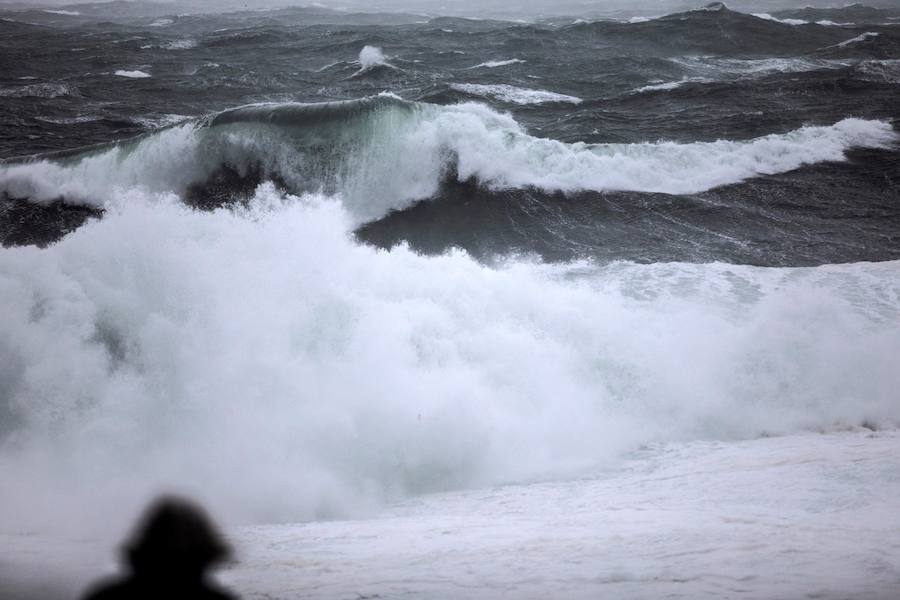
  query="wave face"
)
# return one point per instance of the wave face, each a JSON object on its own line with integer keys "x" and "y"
{"x": 383, "y": 154}
{"x": 165, "y": 346}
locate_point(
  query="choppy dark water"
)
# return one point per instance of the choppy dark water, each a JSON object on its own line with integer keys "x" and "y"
{"x": 691, "y": 78}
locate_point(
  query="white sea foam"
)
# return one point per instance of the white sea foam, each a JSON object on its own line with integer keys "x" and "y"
{"x": 38, "y": 90}
{"x": 513, "y": 94}
{"x": 162, "y": 347}
{"x": 68, "y": 13}
{"x": 761, "y": 66}
{"x": 795, "y": 22}
{"x": 329, "y": 65}
{"x": 710, "y": 69}
{"x": 671, "y": 85}
{"x": 163, "y": 120}
{"x": 880, "y": 70}
{"x": 132, "y": 74}
{"x": 768, "y": 17}
{"x": 69, "y": 120}
{"x": 185, "y": 44}
{"x": 493, "y": 64}
{"x": 857, "y": 39}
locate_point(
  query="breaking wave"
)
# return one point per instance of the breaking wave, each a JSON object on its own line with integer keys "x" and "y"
{"x": 856, "y": 40}
{"x": 383, "y": 153}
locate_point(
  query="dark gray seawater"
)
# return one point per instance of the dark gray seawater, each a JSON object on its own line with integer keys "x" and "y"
{"x": 73, "y": 80}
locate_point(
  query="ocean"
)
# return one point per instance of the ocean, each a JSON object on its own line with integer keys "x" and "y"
{"x": 444, "y": 307}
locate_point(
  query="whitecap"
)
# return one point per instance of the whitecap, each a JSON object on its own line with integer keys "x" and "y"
{"x": 493, "y": 64}
{"x": 132, "y": 74}
{"x": 513, "y": 94}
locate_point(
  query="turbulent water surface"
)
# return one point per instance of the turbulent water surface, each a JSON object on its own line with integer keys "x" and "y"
{"x": 304, "y": 262}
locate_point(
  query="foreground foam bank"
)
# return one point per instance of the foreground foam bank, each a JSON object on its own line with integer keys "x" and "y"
{"x": 694, "y": 519}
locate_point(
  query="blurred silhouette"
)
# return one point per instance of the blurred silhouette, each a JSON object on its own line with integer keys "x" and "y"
{"x": 170, "y": 554}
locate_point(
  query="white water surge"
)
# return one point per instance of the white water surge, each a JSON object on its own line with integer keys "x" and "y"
{"x": 267, "y": 363}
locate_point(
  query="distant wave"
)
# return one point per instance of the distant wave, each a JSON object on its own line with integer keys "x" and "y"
{"x": 823, "y": 22}
{"x": 382, "y": 153}
{"x": 69, "y": 120}
{"x": 493, "y": 64}
{"x": 710, "y": 69}
{"x": 513, "y": 94}
{"x": 670, "y": 85}
{"x": 132, "y": 74}
{"x": 857, "y": 39}
{"x": 186, "y": 44}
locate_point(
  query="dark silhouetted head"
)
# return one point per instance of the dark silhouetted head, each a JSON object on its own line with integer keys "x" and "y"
{"x": 175, "y": 539}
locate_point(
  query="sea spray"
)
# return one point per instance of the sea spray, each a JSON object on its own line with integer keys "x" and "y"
{"x": 371, "y": 56}
{"x": 161, "y": 347}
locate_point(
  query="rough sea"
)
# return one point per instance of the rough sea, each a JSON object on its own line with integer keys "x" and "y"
{"x": 442, "y": 307}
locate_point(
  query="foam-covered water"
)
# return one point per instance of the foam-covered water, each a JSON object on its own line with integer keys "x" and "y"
{"x": 515, "y": 95}
{"x": 493, "y": 64}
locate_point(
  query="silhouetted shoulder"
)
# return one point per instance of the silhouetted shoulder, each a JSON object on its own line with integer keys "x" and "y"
{"x": 129, "y": 589}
